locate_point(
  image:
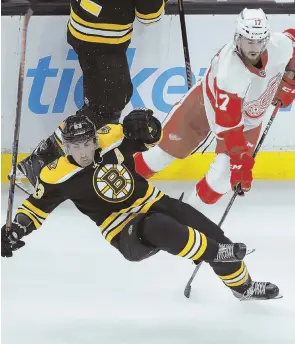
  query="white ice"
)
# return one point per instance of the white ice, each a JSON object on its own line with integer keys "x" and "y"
{"x": 69, "y": 286}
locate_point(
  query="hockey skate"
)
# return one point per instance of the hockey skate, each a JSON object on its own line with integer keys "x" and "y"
{"x": 26, "y": 175}
{"x": 231, "y": 253}
{"x": 259, "y": 291}
{"x": 29, "y": 168}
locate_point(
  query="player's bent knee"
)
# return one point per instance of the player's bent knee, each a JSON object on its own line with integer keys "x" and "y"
{"x": 130, "y": 242}
{"x": 155, "y": 228}
{"x": 164, "y": 232}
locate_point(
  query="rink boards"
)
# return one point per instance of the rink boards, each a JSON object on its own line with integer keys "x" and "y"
{"x": 53, "y": 84}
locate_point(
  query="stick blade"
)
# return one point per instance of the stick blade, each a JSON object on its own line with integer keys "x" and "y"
{"x": 187, "y": 291}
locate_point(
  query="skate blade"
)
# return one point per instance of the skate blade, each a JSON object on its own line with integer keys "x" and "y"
{"x": 27, "y": 189}
{"x": 250, "y": 251}
{"x": 274, "y": 298}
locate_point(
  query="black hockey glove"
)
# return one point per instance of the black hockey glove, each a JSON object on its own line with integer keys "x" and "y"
{"x": 10, "y": 241}
{"x": 140, "y": 124}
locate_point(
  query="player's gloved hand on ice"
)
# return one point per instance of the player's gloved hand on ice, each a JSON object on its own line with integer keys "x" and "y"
{"x": 140, "y": 124}
{"x": 241, "y": 166}
{"x": 286, "y": 90}
{"x": 10, "y": 241}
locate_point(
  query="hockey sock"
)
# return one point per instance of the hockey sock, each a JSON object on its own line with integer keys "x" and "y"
{"x": 141, "y": 166}
{"x": 165, "y": 233}
{"x": 206, "y": 193}
{"x": 236, "y": 277}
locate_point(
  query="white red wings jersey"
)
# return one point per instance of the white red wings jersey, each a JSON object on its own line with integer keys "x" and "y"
{"x": 236, "y": 94}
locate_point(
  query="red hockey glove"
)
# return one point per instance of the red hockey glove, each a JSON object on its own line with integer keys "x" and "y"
{"x": 286, "y": 91}
{"x": 241, "y": 166}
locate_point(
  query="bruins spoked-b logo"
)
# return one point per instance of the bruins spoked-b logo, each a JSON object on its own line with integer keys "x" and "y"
{"x": 113, "y": 183}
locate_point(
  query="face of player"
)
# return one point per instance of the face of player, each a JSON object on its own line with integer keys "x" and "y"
{"x": 83, "y": 152}
{"x": 252, "y": 49}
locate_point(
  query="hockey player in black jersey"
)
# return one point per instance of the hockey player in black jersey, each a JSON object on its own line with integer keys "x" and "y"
{"x": 99, "y": 31}
{"x": 98, "y": 175}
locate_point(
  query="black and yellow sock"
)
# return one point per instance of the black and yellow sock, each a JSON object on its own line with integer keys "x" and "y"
{"x": 198, "y": 246}
{"x": 165, "y": 233}
{"x": 238, "y": 279}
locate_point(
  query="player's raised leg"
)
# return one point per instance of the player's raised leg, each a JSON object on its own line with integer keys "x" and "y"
{"x": 219, "y": 178}
{"x": 184, "y": 129}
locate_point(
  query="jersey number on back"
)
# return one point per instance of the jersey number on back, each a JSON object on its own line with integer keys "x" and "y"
{"x": 91, "y": 7}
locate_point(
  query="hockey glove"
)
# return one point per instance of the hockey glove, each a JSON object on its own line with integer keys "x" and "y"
{"x": 286, "y": 91}
{"x": 141, "y": 125}
{"x": 10, "y": 241}
{"x": 241, "y": 166}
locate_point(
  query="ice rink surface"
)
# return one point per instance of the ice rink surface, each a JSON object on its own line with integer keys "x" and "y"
{"x": 69, "y": 286}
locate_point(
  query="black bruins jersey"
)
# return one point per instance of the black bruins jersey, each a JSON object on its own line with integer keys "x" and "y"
{"x": 110, "y": 21}
{"x": 109, "y": 191}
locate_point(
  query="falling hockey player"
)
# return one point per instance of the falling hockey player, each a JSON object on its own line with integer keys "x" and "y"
{"x": 246, "y": 76}
{"x": 98, "y": 175}
{"x": 100, "y": 33}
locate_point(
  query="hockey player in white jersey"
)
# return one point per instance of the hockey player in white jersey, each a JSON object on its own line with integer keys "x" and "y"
{"x": 244, "y": 79}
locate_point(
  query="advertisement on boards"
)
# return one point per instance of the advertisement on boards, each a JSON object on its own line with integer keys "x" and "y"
{"x": 53, "y": 79}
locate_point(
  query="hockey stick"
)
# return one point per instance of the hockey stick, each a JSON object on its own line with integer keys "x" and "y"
{"x": 17, "y": 117}
{"x": 185, "y": 45}
{"x": 188, "y": 68}
{"x": 188, "y": 287}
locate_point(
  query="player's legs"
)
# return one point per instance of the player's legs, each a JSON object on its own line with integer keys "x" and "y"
{"x": 156, "y": 231}
{"x": 184, "y": 129}
{"x": 179, "y": 229}
{"x": 106, "y": 81}
{"x": 216, "y": 182}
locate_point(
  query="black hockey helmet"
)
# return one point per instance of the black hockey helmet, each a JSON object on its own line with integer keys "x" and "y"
{"x": 78, "y": 128}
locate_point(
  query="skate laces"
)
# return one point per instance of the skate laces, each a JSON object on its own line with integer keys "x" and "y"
{"x": 225, "y": 251}
{"x": 257, "y": 288}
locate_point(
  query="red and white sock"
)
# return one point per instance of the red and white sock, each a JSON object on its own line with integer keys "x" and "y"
{"x": 152, "y": 161}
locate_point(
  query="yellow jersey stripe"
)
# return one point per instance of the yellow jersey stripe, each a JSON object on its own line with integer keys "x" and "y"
{"x": 240, "y": 282}
{"x": 35, "y": 210}
{"x": 202, "y": 248}
{"x": 118, "y": 229}
{"x": 150, "y": 15}
{"x": 137, "y": 203}
{"x": 98, "y": 39}
{"x": 149, "y": 204}
{"x": 91, "y": 7}
{"x": 63, "y": 171}
{"x": 235, "y": 274}
{"x": 37, "y": 224}
{"x": 103, "y": 26}
{"x": 189, "y": 244}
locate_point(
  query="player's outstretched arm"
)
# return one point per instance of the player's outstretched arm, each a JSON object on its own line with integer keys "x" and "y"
{"x": 30, "y": 216}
